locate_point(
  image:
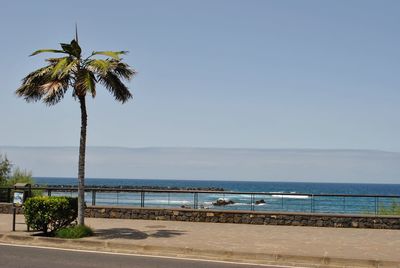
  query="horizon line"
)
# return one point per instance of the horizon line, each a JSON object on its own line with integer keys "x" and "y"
{"x": 200, "y": 148}
{"x": 218, "y": 180}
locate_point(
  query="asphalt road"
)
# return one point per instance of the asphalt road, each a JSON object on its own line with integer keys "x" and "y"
{"x": 30, "y": 257}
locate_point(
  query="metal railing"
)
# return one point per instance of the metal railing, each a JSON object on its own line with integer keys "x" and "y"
{"x": 250, "y": 201}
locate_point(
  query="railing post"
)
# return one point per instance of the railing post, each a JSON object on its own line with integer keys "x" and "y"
{"x": 93, "y": 197}
{"x": 344, "y": 204}
{"x": 195, "y": 200}
{"x": 252, "y": 198}
{"x": 48, "y": 192}
{"x": 312, "y": 203}
{"x": 376, "y": 205}
{"x": 142, "y": 199}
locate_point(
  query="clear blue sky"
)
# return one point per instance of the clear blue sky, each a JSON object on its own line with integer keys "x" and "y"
{"x": 258, "y": 74}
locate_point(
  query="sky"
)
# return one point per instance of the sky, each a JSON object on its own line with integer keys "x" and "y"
{"x": 224, "y": 74}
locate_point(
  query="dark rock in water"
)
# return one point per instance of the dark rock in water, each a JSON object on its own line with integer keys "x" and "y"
{"x": 223, "y": 202}
{"x": 261, "y": 201}
{"x": 184, "y": 206}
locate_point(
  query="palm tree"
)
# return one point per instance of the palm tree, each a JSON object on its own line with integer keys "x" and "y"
{"x": 73, "y": 71}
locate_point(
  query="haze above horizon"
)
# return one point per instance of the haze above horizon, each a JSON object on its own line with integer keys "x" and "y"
{"x": 358, "y": 166}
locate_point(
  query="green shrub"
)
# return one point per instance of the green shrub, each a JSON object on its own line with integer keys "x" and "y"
{"x": 20, "y": 175}
{"x": 5, "y": 170}
{"x": 73, "y": 232}
{"x": 393, "y": 209}
{"x": 50, "y": 213}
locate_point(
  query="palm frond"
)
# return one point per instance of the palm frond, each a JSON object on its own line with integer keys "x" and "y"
{"x": 60, "y": 67}
{"x": 113, "y": 84}
{"x": 54, "y": 90}
{"x": 73, "y": 48}
{"x": 70, "y": 68}
{"x": 41, "y": 85}
{"x": 85, "y": 82}
{"x": 54, "y": 61}
{"x": 30, "y": 89}
{"x": 100, "y": 66}
{"x": 46, "y": 50}
{"x": 123, "y": 70}
{"x": 38, "y": 74}
{"x": 113, "y": 54}
{"x": 30, "y": 93}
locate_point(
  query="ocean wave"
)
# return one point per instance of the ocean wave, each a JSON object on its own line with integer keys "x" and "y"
{"x": 290, "y": 196}
{"x": 235, "y": 204}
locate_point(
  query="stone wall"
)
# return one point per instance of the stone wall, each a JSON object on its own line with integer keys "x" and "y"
{"x": 240, "y": 217}
{"x": 246, "y": 217}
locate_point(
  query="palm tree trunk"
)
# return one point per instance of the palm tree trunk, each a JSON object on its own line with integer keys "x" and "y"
{"x": 81, "y": 172}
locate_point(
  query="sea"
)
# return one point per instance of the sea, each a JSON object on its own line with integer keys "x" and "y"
{"x": 282, "y": 196}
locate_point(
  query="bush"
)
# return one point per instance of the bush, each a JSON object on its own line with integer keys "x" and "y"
{"x": 20, "y": 175}
{"x": 50, "y": 213}
{"x": 9, "y": 176}
{"x": 393, "y": 209}
{"x": 5, "y": 170}
{"x": 73, "y": 232}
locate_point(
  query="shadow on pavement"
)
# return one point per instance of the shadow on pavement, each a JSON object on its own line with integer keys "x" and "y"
{"x": 128, "y": 233}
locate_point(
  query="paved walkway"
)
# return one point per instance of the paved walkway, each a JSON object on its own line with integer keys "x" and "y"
{"x": 330, "y": 247}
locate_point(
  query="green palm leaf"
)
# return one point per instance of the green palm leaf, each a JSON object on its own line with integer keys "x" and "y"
{"x": 85, "y": 82}
{"x": 113, "y": 54}
{"x": 100, "y": 66}
{"x": 59, "y": 68}
{"x": 70, "y": 68}
{"x": 46, "y": 50}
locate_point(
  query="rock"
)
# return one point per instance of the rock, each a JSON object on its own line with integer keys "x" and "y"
{"x": 223, "y": 202}
{"x": 261, "y": 201}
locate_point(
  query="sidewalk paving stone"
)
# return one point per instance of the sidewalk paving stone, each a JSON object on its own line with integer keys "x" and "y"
{"x": 367, "y": 247}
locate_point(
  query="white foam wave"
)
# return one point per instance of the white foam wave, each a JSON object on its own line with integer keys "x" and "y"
{"x": 239, "y": 204}
{"x": 290, "y": 196}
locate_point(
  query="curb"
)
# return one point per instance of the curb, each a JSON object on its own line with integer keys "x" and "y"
{"x": 193, "y": 253}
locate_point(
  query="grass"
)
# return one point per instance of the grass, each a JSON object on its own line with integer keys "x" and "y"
{"x": 74, "y": 232}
